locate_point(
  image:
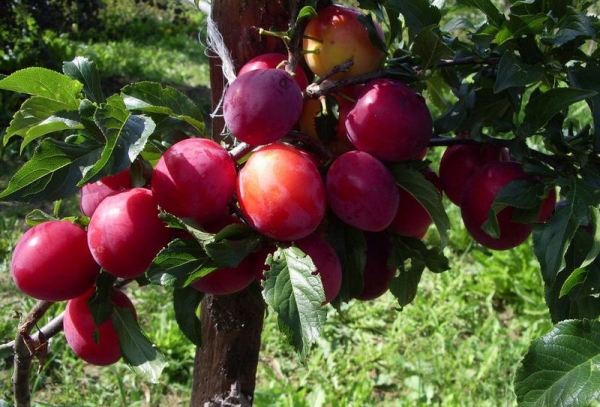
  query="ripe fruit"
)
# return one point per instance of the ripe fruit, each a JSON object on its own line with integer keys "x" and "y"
{"x": 337, "y": 36}
{"x": 125, "y": 233}
{"x": 52, "y": 262}
{"x": 227, "y": 280}
{"x": 261, "y": 106}
{"x": 310, "y": 110}
{"x": 412, "y": 219}
{"x": 361, "y": 191}
{"x": 281, "y": 193}
{"x": 273, "y": 60}
{"x": 92, "y": 194}
{"x": 478, "y": 197}
{"x": 80, "y": 330}
{"x": 195, "y": 178}
{"x": 460, "y": 161}
{"x": 326, "y": 261}
{"x": 390, "y": 121}
{"x": 377, "y": 273}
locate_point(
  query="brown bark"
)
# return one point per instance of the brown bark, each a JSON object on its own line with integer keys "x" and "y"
{"x": 225, "y": 366}
{"x": 238, "y": 21}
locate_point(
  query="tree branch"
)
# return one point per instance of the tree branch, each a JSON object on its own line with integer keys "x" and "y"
{"x": 295, "y": 45}
{"x": 25, "y": 348}
{"x": 324, "y": 86}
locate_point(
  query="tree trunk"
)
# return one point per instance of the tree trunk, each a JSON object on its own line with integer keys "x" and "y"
{"x": 225, "y": 366}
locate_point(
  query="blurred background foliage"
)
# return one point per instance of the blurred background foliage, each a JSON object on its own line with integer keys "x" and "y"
{"x": 130, "y": 41}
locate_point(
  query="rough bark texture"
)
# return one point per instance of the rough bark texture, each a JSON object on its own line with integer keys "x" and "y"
{"x": 225, "y": 366}
{"x": 239, "y": 21}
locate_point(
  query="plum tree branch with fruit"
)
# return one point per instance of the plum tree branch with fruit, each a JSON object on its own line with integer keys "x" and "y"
{"x": 329, "y": 193}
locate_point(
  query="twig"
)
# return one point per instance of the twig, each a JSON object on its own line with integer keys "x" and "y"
{"x": 295, "y": 44}
{"x": 47, "y": 331}
{"x": 325, "y": 86}
{"x": 25, "y": 348}
{"x": 240, "y": 150}
{"x": 323, "y": 153}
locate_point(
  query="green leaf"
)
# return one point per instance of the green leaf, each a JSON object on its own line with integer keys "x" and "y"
{"x": 306, "y": 12}
{"x": 594, "y": 237}
{"x": 232, "y": 244}
{"x": 433, "y": 258}
{"x": 572, "y": 25}
{"x": 579, "y": 303}
{"x": 404, "y": 286}
{"x": 45, "y": 83}
{"x": 588, "y": 78}
{"x": 417, "y": 14}
{"x": 576, "y": 278}
{"x": 487, "y": 7}
{"x": 138, "y": 351}
{"x": 513, "y": 72}
{"x": 151, "y": 97}
{"x": 367, "y": 21}
{"x": 126, "y": 136}
{"x": 51, "y": 174}
{"x": 37, "y": 216}
{"x": 185, "y": 303}
{"x": 350, "y": 246}
{"x": 561, "y": 368}
{"x": 430, "y": 47}
{"x": 296, "y": 295}
{"x": 58, "y": 122}
{"x": 551, "y": 241}
{"x": 36, "y": 113}
{"x": 179, "y": 264}
{"x": 395, "y": 25}
{"x": 519, "y": 26}
{"x": 85, "y": 71}
{"x": 491, "y": 226}
{"x": 545, "y": 106}
{"x": 526, "y": 195}
{"x": 100, "y": 303}
{"x": 415, "y": 183}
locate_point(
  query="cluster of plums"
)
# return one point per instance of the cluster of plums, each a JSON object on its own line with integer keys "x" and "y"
{"x": 282, "y": 190}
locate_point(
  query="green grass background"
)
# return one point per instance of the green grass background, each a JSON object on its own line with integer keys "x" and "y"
{"x": 458, "y": 344}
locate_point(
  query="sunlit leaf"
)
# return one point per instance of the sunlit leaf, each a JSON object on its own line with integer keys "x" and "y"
{"x": 52, "y": 173}
{"x": 86, "y": 72}
{"x": 126, "y": 136}
{"x": 181, "y": 263}
{"x": 296, "y": 295}
{"x": 45, "y": 83}
{"x": 561, "y": 368}
{"x": 151, "y": 97}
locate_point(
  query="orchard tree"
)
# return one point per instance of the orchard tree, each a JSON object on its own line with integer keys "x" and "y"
{"x": 314, "y": 185}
